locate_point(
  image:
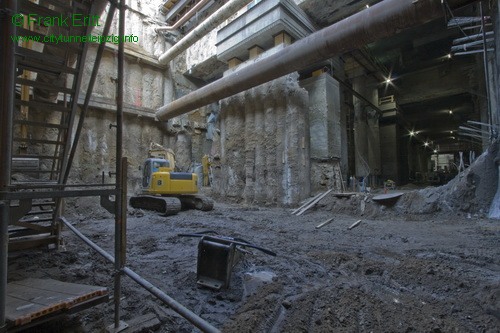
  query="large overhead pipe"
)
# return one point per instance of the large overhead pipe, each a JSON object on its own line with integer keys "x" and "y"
{"x": 381, "y": 20}
{"x": 184, "y": 18}
{"x": 205, "y": 27}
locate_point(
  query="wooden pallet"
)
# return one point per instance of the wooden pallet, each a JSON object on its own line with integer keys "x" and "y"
{"x": 32, "y": 299}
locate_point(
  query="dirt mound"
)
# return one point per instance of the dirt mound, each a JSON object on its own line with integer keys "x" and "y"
{"x": 471, "y": 191}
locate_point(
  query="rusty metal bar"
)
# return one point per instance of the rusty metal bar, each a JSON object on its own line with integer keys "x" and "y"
{"x": 173, "y": 304}
{"x": 119, "y": 202}
{"x": 384, "y": 19}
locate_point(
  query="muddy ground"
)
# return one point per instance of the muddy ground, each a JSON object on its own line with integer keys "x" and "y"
{"x": 391, "y": 273}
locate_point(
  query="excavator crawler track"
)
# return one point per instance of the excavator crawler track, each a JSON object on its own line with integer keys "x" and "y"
{"x": 164, "y": 205}
{"x": 197, "y": 202}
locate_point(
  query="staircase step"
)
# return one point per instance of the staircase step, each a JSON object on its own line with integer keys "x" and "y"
{"x": 39, "y": 212}
{"x": 38, "y": 220}
{"x": 39, "y": 124}
{"x": 43, "y": 105}
{"x": 45, "y": 86}
{"x": 28, "y": 7}
{"x": 64, "y": 46}
{"x": 48, "y": 142}
{"x": 39, "y": 58}
{"x": 40, "y": 157}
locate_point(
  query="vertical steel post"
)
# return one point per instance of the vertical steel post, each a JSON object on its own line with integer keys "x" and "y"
{"x": 4, "y": 249}
{"x": 119, "y": 216}
{"x": 486, "y": 73}
{"x": 7, "y": 76}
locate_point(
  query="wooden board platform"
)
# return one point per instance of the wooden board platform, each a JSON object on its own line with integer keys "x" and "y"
{"x": 31, "y": 299}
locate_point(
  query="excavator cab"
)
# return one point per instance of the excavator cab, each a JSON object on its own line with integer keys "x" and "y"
{"x": 159, "y": 178}
{"x": 151, "y": 166}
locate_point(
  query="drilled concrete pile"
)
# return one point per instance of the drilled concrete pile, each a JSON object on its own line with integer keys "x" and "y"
{"x": 264, "y": 145}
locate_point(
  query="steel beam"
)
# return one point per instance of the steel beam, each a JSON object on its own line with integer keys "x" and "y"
{"x": 384, "y": 19}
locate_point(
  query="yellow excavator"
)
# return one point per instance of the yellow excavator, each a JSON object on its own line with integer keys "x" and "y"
{"x": 165, "y": 190}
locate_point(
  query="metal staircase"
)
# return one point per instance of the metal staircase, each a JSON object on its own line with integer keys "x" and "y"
{"x": 46, "y": 86}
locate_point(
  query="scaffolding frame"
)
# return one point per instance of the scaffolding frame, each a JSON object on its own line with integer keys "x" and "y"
{"x": 26, "y": 193}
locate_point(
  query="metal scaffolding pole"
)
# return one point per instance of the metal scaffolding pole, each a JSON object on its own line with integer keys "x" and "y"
{"x": 121, "y": 195}
{"x": 88, "y": 95}
{"x": 173, "y": 304}
{"x": 486, "y": 72}
{"x": 7, "y": 77}
{"x": 384, "y": 19}
{"x": 4, "y": 249}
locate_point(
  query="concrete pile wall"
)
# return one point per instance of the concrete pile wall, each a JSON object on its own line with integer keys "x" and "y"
{"x": 264, "y": 145}
{"x": 146, "y": 84}
{"x": 325, "y": 130}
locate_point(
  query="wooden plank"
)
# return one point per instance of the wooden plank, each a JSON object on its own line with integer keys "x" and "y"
{"x": 354, "y": 225}
{"x": 313, "y": 203}
{"x": 31, "y": 242}
{"x": 145, "y": 323}
{"x": 31, "y": 299}
{"x": 46, "y": 86}
{"x": 344, "y": 194}
{"x": 324, "y": 223}
{"x": 305, "y": 203}
{"x": 43, "y": 105}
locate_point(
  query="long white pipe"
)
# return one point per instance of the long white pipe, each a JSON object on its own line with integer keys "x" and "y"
{"x": 206, "y": 26}
{"x": 185, "y": 17}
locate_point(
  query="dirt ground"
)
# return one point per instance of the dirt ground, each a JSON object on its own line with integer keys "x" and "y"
{"x": 392, "y": 273}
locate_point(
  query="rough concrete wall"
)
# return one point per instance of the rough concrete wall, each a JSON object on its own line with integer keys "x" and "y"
{"x": 264, "y": 146}
{"x": 97, "y": 147}
{"x": 144, "y": 88}
{"x": 496, "y": 83}
{"x": 202, "y": 50}
{"x": 325, "y": 130}
{"x": 143, "y": 83}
